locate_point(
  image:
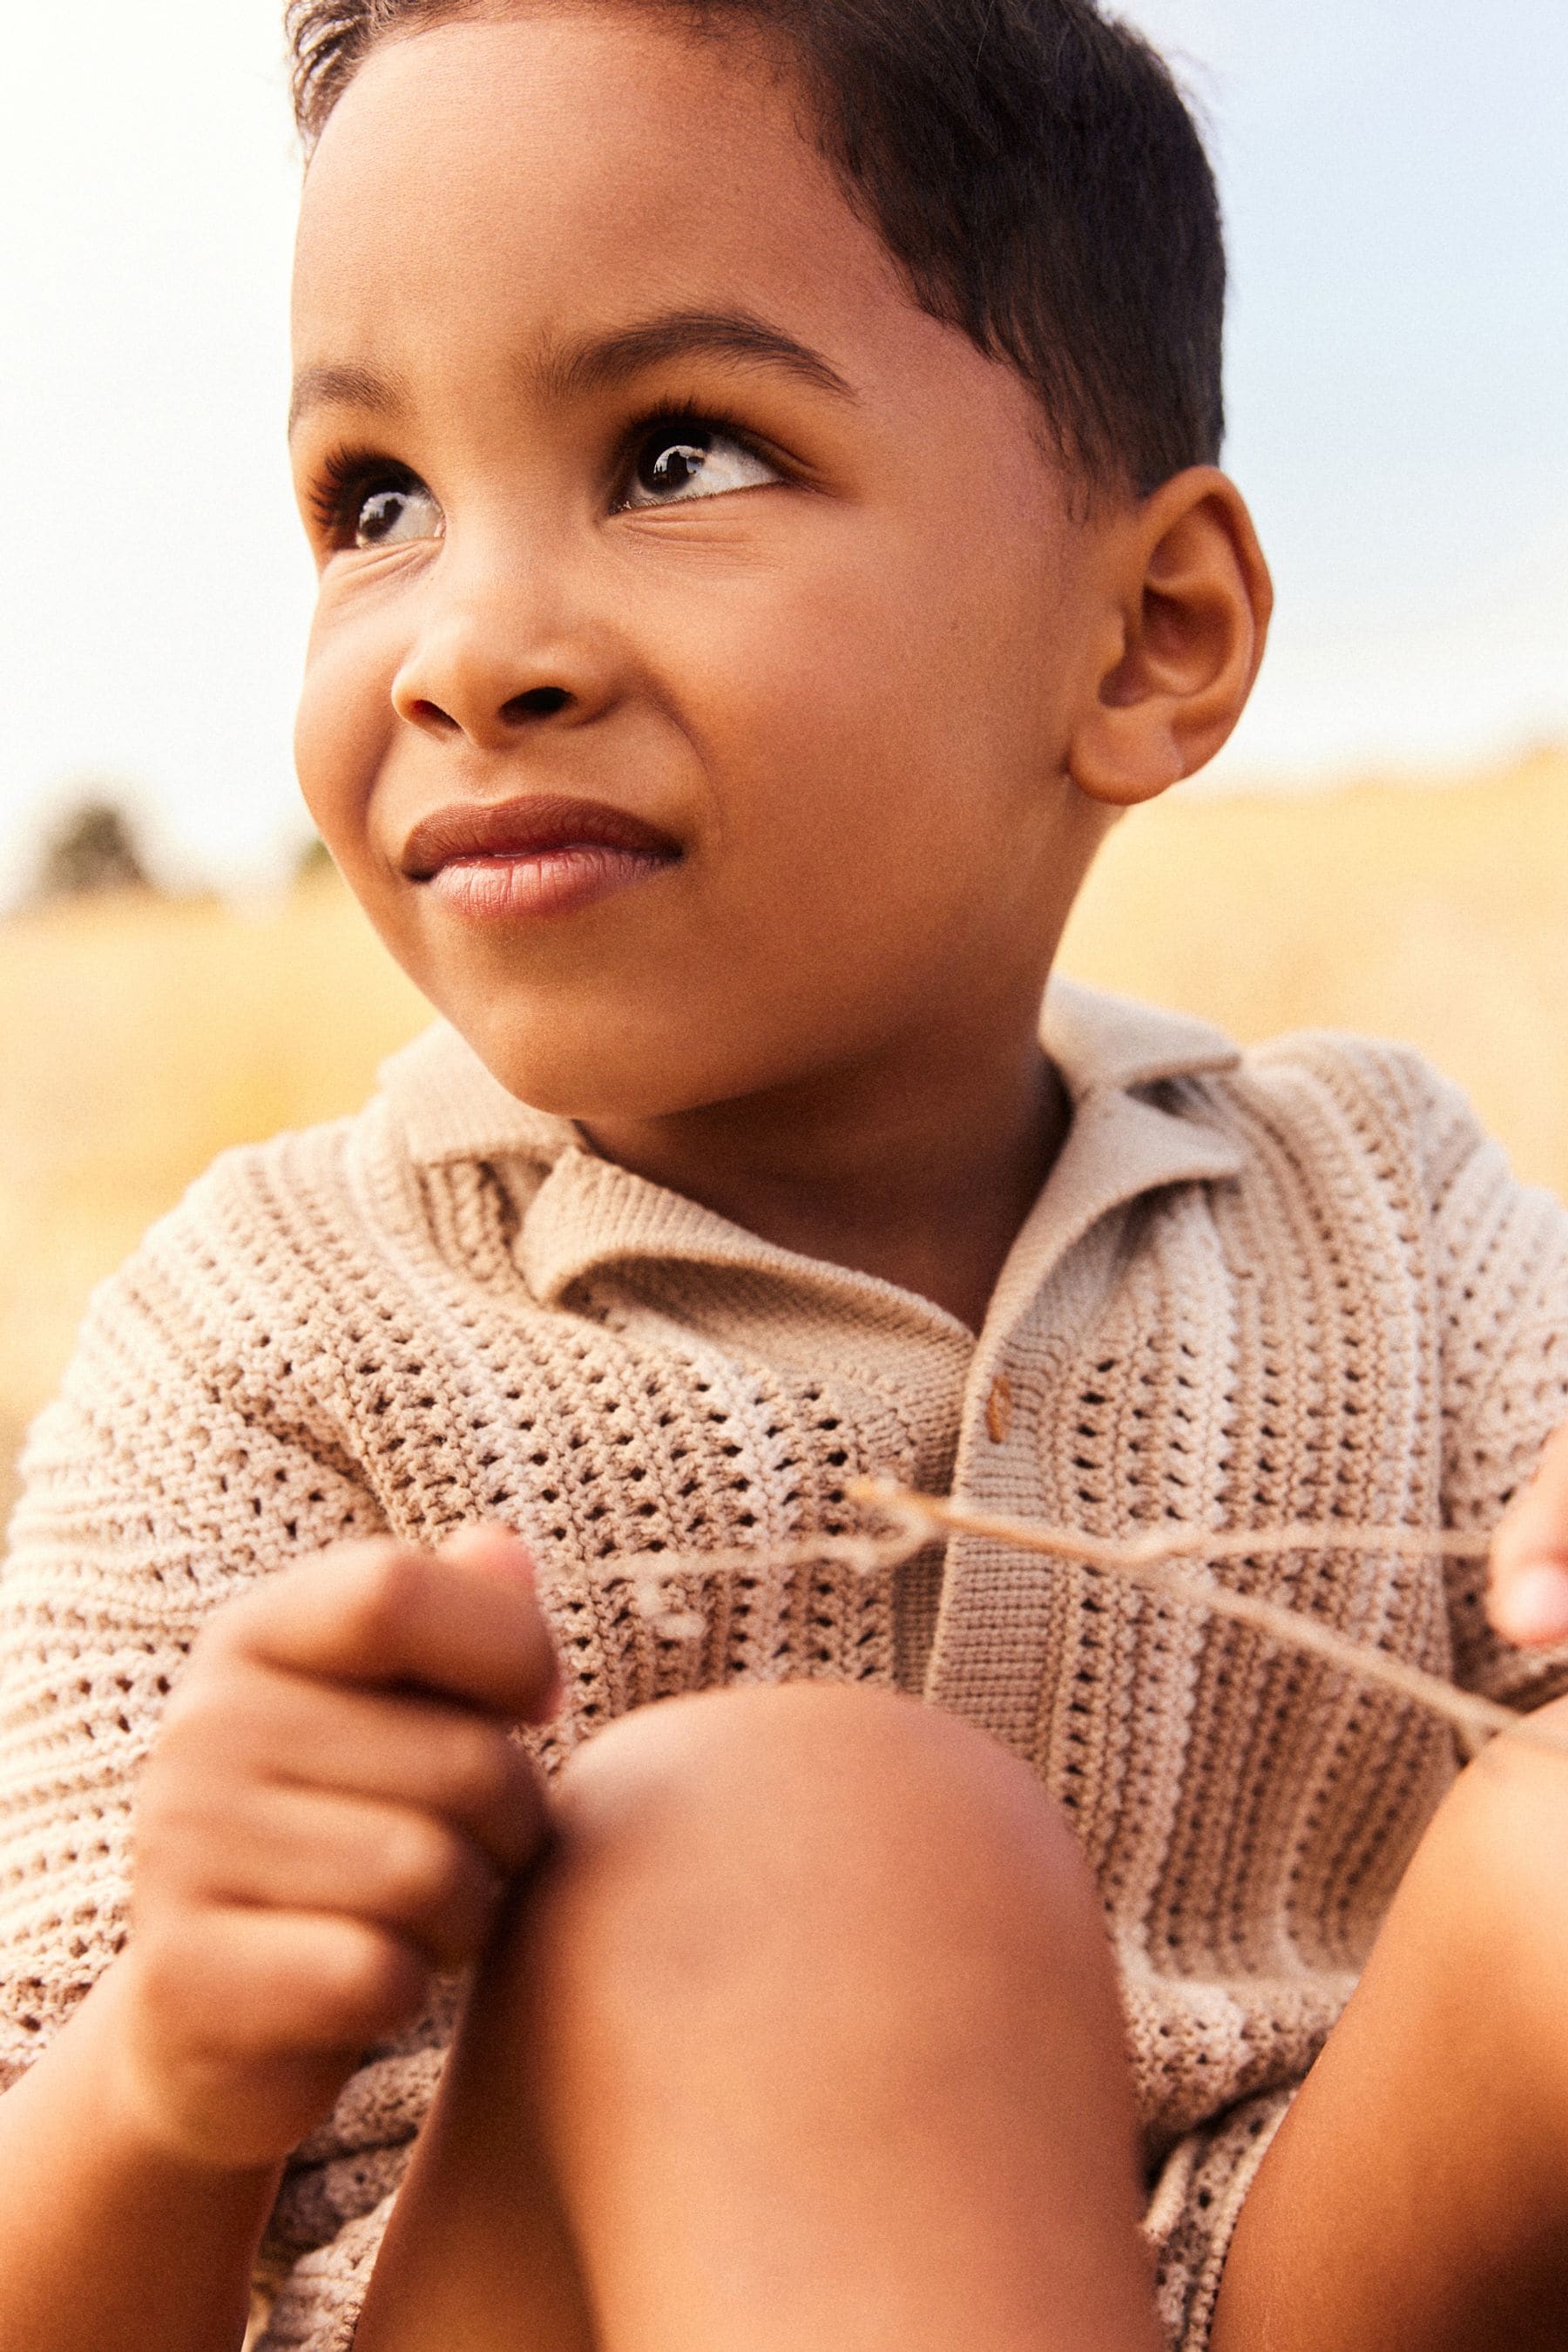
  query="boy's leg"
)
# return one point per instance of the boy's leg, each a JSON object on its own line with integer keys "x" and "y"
{"x": 809, "y": 2037}
{"x": 1417, "y": 2192}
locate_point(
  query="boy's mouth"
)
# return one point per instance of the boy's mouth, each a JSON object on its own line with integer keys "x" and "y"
{"x": 539, "y": 854}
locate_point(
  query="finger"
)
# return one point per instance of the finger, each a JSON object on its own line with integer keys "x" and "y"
{"x": 269, "y": 1983}
{"x": 301, "y": 1850}
{"x": 432, "y": 1754}
{"x": 1527, "y": 1599}
{"x": 491, "y": 1551}
{"x": 383, "y": 1612}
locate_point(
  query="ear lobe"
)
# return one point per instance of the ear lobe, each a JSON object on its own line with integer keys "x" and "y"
{"x": 1192, "y": 599}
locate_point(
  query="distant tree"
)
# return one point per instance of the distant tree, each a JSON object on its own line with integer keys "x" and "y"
{"x": 93, "y": 849}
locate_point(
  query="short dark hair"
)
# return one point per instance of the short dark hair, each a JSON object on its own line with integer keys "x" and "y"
{"x": 1029, "y": 165}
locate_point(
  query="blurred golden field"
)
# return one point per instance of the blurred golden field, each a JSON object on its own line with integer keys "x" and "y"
{"x": 139, "y": 1036}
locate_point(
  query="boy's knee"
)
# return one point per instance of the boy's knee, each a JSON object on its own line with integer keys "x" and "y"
{"x": 785, "y": 1835}
{"x": 823, "y": 1789}
{"x": 1489, "y": 1886}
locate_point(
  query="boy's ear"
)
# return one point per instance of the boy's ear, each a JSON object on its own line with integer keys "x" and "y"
{"x": 1187, "y": 603}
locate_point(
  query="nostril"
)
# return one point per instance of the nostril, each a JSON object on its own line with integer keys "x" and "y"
{"x": 430, "y": 714}
{"x": 539, "y": 702}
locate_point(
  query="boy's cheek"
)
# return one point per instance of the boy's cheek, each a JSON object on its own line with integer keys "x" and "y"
{"x": 343, "y": 731}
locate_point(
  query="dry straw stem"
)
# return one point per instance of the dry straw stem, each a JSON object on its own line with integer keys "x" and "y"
{"x": 1148, "y": 1561}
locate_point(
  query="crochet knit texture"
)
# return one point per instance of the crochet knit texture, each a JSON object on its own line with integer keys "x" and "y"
{"x": 1294, "y": 1285}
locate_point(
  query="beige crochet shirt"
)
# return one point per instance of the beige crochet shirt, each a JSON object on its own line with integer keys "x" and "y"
{"x": 1293, "y": 1285}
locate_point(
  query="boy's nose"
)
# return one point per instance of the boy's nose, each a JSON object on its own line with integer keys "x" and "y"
{"x": 485, "y": 676}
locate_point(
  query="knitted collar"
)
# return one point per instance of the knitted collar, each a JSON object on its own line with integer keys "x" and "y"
{"x": 588, "y": 1212}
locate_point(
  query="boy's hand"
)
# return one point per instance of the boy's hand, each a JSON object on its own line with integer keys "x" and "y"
{"x": 329, "y": 1815}
{"x": 1528, "y": 1597}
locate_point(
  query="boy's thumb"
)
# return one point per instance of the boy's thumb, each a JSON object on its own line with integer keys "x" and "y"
{"x": 494, "y": 1551}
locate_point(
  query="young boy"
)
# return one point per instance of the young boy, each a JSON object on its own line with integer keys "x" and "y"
{"x": 760, "y": 460}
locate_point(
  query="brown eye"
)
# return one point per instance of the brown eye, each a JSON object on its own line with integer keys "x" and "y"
{"x": 686, "y": 458}
{"x": 666, "y": 466}
{"x": 393, "y": 511}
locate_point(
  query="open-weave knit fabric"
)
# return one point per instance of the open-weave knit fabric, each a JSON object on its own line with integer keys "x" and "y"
{"x": 1294, "y": 1285}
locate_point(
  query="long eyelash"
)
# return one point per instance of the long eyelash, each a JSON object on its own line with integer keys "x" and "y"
{"x": 691, "y": 412}
{"x": 343, "y": 482}
{"x": 346, "y": 475}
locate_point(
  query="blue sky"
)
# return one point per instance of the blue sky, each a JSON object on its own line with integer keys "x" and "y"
{"x": 1396, "y": 179}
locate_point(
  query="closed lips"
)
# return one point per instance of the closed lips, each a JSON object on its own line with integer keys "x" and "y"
{"x": 537, "y": 826}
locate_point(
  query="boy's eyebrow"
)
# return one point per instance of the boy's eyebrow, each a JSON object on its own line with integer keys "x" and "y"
{"x": 353, "y": 387}
{"x": 599, "y": 362}
{"x": 602, "y": 360}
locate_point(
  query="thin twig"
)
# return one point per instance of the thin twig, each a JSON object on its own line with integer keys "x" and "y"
{"x": 649, "y": 1573}
{"x": 1147, "y": 1560}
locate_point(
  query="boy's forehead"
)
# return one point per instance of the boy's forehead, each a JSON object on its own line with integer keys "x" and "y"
{"x": 495, "y": 201}
{"x": 559, "y": 166}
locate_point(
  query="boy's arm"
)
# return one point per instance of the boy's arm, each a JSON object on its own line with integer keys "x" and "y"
{"x": 332, "y": 1813}
{"x": 109, "y": 2241}
{"x": 327, "y": 1802}
{"x": 136, "y": 1482}
{"x": 161, "y": 1484}
{"x": 1414, "y": 2193}
{"x": 152, "y": 1494}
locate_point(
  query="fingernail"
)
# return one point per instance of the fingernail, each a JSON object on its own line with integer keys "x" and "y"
{"x": 494, "y": 1549}
{"x": 512, "y": 1557}
{"x": 1533, "y": 1605}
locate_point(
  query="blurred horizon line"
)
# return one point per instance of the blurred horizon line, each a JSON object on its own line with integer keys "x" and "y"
{"x": 176, "y": 867}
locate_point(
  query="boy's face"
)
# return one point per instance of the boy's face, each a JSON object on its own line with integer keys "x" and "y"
{"x": 663, "y": 497}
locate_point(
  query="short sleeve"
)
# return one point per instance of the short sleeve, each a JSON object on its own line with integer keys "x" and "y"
{"x": 178, "y": 1464}
{"x": 1501, "y": 1262}
{"x": 165, "y": 1478}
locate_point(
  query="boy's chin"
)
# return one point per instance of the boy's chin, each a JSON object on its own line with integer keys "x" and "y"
{"x": 611, "y": 1072}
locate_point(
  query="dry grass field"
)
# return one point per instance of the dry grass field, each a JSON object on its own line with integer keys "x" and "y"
{"x": 138, "y": 1037}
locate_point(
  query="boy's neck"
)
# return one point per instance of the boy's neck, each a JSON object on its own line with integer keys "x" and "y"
{"x": 922, "y": 1177}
